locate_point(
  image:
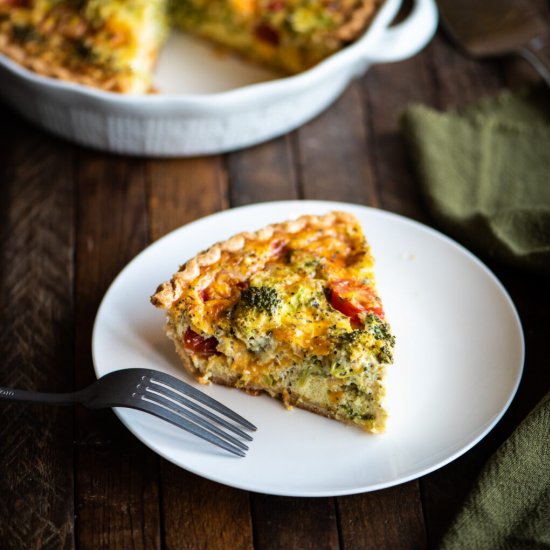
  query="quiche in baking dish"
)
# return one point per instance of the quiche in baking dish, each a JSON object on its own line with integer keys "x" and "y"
{"x": 291, "y": 310}
{"x": 113, "y": 44}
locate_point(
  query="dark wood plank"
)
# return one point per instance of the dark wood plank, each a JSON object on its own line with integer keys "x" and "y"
{"x": 353, "y": 152}
{"x": 332, "y": 159}
{"x": 263, "y": 173}
{"x": 519, "y": 73}
{"x": 183, "y": 190}
{"x": 442, "y": 78}
{"x": 36, "y": 310}
{"x": 456, "y": 81}
{"x": 197, "y": 513}
{"x": 270, "y": 172}
{"x": 389, "y": 519}
{"x": 445, "y": 490}
{"x": 386, "y": 91}
{"x": 201, "y": 514}
{"x": 337, "y": 163}
{"x": 284, "y": 522}
{"x": 116, "y": 476}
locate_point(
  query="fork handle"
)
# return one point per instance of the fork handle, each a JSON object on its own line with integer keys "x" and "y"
{"x": 12, "y": 394}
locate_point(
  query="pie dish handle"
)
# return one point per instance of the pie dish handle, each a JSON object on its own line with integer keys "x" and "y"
{"x": 407, "y": 38}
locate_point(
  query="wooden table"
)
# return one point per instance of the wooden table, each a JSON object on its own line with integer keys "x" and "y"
{"x": 71, "y": 218}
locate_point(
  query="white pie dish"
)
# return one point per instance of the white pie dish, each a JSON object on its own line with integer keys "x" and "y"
{"x": 200, "y": 115}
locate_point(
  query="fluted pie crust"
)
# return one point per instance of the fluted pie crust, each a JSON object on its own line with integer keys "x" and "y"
{"x": 271, "y": 311}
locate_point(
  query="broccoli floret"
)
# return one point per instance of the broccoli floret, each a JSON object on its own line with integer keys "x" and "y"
{"x": 305, "y": 261}
{"x": 24, "y": 34}
{"x": 254, "y": 315}
{"x": 261, "y": 298}
{"x": 378, "y": 328}
{"x": 349, "y": 340}
{"x": 358, "y": 350}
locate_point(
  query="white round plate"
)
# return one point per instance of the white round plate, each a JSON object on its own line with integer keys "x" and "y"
{"x": 458, "y": 361}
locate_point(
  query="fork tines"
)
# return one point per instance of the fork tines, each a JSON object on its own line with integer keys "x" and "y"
{"x": 183, "y": 405}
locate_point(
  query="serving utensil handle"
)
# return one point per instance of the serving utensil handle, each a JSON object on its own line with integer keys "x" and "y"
{"x": 532, "y": 53}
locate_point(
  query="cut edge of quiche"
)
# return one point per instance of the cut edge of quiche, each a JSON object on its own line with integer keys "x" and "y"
{"x": 290, "y": 310}
{"x": 289, "y": 36}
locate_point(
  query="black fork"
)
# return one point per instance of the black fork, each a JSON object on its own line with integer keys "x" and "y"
{"x": 158, "y": 394}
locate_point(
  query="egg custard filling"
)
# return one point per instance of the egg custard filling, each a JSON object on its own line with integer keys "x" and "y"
{"x": 291, "y": 310}
{"x": 291, "y": 35}
{"x": 114, "y": 44}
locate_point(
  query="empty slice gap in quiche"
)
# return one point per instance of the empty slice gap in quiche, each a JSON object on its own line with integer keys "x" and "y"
{"x": 291, "y": 310}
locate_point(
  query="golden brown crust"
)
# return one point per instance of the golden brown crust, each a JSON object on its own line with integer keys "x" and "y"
{"x": 358, "y": 22}
{"x": 171, "y": 291}
{"x": 80, "y": 43}
{"x": 86, "y": 75}
{"x": 50, "y": 69}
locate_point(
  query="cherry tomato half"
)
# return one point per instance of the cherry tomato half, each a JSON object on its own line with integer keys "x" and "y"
{"x": 266, "y": 33}
{"x": 352, "y": 298}
{"x": 198, "y": 345}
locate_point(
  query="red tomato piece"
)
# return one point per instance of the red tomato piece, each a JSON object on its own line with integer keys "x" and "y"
{"x": 278, "y": 248}
{"x": 203, "y": 293}
{"x": 198, "y": 345}
{"x": 266, "y": 33}
{"x": 276, "y": 5}
{"x": 243, "y": 285}
{"x": 353, "y": 298}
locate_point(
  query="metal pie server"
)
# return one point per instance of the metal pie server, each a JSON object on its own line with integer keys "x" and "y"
{"x": 488, "y": 28}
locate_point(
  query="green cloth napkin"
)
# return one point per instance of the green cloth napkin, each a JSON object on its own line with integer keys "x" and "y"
{"x": 485, "y": 172}
{"x": 509, "y": 507}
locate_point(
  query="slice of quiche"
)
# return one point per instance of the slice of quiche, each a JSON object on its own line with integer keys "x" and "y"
{"x": 111, "y": 45}
{"x": 291, "y": 310}
{"x": 291, "y": 35}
